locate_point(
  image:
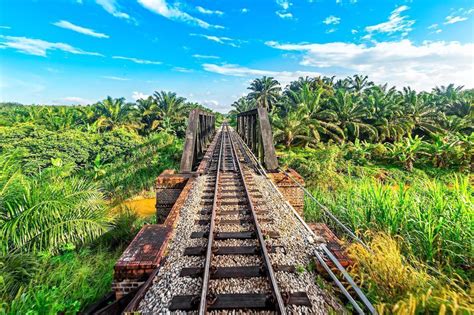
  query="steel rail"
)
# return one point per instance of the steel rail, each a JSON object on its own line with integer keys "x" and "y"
{"x": 207, "y": 266}
{"x": 349, "y": 279}
{"x": 341, "y": 268}
{"x": 339, "y": 284}
{"x": 280, "y": 305}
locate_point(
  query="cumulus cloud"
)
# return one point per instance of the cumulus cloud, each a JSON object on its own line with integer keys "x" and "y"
{"x": 162, "y": 8}
{"x": 79, "y": 29}
{"x": 207, "y": 11}
{"x": 399, "y": 63}
{"x": 239, "y": 71}
{"x": 139, "y": 61}
{"x": 111, "y": 7}
{"x": 244, "y": 10}
{"x": 139, "y": 95}
{"x": 5, "y": 27}
{"x": 220, "y": 39}
{"x": 39, "y": 47}
{"x": 332, "y": 20}
{"x": 397, "y": 23}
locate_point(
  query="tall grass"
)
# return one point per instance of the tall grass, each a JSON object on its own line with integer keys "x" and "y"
{"x": 433, "y": 217}
{"x": 401, "y": 284}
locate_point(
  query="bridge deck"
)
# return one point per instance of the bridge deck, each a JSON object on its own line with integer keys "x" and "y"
{"x": 236, "y": 204}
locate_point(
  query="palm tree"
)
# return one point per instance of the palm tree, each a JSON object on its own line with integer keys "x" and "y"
{"x": 147, "y": 112}
{"x": 307, "y": 103}
{"x": 49, "y": 210}
{"x": 243, "y": 104}
{"x": 386, "y": 113}
{"x": 359, "y": 83}
{"x": 350, "y": 113}
{"x": 422, "y": 112}
{"x": 170, "y": 109}
{"x": 407, "y": 151}
{"x": 114, "y": 113}
{"x": 265, "y": 92}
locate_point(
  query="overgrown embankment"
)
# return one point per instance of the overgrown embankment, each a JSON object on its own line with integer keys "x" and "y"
{"x": 419, "y": 225}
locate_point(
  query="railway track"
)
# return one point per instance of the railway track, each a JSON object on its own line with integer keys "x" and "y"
{"x": 236, "y": 252}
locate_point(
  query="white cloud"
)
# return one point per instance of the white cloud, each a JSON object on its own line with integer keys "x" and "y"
{"x": 39, "y": 47}
{"x": 205, "y": 56}
{"x": 354, "y": 31}
{"x": 331, "y": 30}
{"x": 139, "y": 95}
{"x": 139, "y": 61}
{"x": 332, "y": 20}
{"x": 450, "y": 19}
{"x": 400, "y": 63}
{"x": 284, "y": 15}
{"x": 111, "y": 77}
{"x": 207, "y": 11}
{"x": 244, "y": 10}
{"x": 181, "y": 69}
{"x": 111, "y": 7}
{"x": 284, "y": 4}
{"x": 220, "y": 39}
{"x": 174, "y": 13}
{"x": 80, "y": 29}
{"x": 239, "y": 71}
{"x": 433, "y": 26}
{"x": 5, "y": 27}
{"x": 458, "y": 15}
{"x": 73, "y": 100}
{"x": 397, "y": 23}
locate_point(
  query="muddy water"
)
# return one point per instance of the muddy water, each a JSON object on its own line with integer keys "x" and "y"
{"x": 143, "y": 207}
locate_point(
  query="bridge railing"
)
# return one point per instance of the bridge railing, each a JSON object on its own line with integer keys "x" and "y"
{"x": 201, "y": 127}
{"x": 254, "y": 128}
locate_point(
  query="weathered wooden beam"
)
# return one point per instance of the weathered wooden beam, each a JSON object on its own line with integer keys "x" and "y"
{"x": 269, "y": 155}
{"x": 198, "y": 133}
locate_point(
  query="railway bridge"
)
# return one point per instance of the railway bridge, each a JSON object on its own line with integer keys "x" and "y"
{"x": 230, "y": 237}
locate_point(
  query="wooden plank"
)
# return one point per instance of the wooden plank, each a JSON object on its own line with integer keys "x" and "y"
{"x": 226, "y": 235}
{"x": 225, "y": 272}
{"x": 255, "y": 301}
{"x": 226, "y": 250}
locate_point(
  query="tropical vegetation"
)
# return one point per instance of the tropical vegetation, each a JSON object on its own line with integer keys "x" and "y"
{"x": 394, "y": 166}
{"x": 64, "y": 172}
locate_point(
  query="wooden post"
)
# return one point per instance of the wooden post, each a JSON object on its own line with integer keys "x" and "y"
{"x": 269, "y": 155}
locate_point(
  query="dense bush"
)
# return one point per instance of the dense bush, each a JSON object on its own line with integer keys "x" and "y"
{"x": 79, "y": 148}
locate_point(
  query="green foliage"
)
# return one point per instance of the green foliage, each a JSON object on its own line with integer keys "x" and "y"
{"x": 65, "y": 283}
{"x": 128, "y": 175}
{"x": 432, "y": 216}
{"x": 50, "y": 209}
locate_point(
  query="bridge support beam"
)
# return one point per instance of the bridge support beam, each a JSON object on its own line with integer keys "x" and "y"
{"x": 201, "y": 126}
{"x": 254, "y": 128}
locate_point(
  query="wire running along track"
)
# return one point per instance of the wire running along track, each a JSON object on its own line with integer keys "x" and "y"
{"x": 230, "y": 190}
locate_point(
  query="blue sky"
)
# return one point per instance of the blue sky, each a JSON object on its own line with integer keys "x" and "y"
{"x": 77, "y": 52}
